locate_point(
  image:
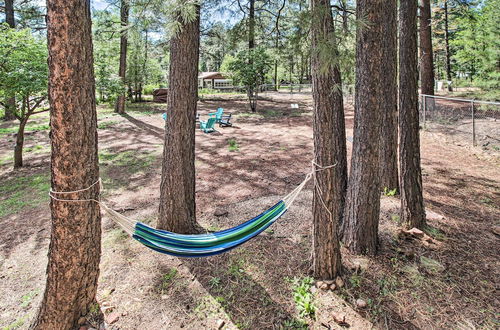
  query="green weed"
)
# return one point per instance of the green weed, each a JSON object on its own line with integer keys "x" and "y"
{"x": 294, "y": 324}
{"x": 435, "y": 233}
{"x": 233, "y": 145}
{"x": 106, "y": 124}
{"x": 28, "y": 298}
{"x": 15, "y": 325}
{"x": 214, "y": 282}
{"x": 355, "y": 280}
{"x": 304, "y": 299}
{"x": 390, "y": 192}
{"x": 167, "y": 279}
{"x": 395, "y": 218}
{"x": 236, "y": 267}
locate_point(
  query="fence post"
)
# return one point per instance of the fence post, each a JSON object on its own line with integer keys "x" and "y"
{"x": 473, "y": 124}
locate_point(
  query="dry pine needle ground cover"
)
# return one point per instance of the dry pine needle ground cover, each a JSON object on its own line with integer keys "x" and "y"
{"x": 412, "y": 284}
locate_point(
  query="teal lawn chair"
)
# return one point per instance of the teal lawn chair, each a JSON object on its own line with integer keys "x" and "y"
{"x": 208, "y": 126}
{"x": 217, "y": 115}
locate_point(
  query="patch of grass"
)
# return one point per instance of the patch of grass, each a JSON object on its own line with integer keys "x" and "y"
{"x": 303, "y": 297}
{"x": 236, "y": 267}
{"x": 295, "y": 324}
{"x": 233, "y": 145}
{"x": 214, "y": 282}
{"x": 106, "y": 124}
{"x": 355, "y": 280}
{"x": 167, "y": 279}
{"x": 28, "y": 298}
{"x": 271, "y": 114}
{"x": 36, "y": 148}
{"x": 132, "y": 161}
{"x": 28, "y": 128}
{"x": 23, "y": 192}
{"x": 395, "y": 217}
{"x": 435, "y": 233}
{"x": 15, "y": 325}
{"x": 390, "y": 192}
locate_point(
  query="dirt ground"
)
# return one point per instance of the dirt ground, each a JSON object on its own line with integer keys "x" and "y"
{"x": 451, "y": 283}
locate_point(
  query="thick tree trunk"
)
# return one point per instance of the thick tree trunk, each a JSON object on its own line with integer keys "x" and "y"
{"x": 412, "y": 204}
{"x": 447, "y": 47}
{"x": 177, "y": 190}
{"x": 75, "y": 245}
{"x": 389, "y": 98}
{"x": 18, "y": 149}
{"x": 363, "y": 195}
{"x": 10, "y": 102}
{"x": 122, "y": 71}
{"x": 329, "y": 147}
{"x": 426, "y": 54}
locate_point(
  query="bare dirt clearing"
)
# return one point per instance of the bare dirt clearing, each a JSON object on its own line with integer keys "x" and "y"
{"x": 408, "y": 285}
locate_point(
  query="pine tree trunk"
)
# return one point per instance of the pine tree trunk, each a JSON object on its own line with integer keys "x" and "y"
{"x": 10, "y": 102}
{"x": 18, "y": 149}
{"x": 447, "y": 47}
{"x": 122, "y": 71}
{"x": 389, "y": 98}
{"x": 426, "y": 54}
{"x": 360, "y": 228}
{"x": 75, "y": 245}
{"x": 329, "y": 147}
{"x": 412, "y": 204}
{"x": 177, "y": 190}
{"x": 251, "y": 46}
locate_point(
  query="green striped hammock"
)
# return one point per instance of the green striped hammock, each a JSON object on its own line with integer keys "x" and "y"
{"x": 203, "y": 245}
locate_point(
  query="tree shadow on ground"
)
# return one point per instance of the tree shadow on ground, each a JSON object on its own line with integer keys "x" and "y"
{"x": 246, "y": 284}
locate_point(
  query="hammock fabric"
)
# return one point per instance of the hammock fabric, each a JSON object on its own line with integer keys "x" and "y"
{"x": 199, "y": 245}
{"x": 205, "y": 245}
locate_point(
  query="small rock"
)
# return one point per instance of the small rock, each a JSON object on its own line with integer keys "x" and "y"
{"x": 82, "y": 320}
{"x": 322, "y": 285}
{"x": 361, "y": 303}
{"x": 313, "y": 289}
{"x": 220, "y": 324}
{"x": 124, "y": 313}
{"x": 431, "y": 215}
{"x": 496, "y": 230}
{"x": 164, "y": 297}
{"x": 112, "y": 317}
{"x": 220, "y": 212}
{"x": 339, "y": 318}
{"x": 329, "y": 282}
{"x": 339, "y": 282}
{"x": 332, "y": 287}
{"x": 415, "y": 232}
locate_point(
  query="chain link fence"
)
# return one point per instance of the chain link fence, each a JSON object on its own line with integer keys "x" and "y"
{"x": 471, "y": 121}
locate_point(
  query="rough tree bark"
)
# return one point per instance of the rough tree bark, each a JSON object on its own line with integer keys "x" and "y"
{"x": 389, "y": 98}
{"x": 329, "y": 146}
{"x": 75, "y": 245}
{"x": 412, "y": 203}
{"x": 177, "y": 190}
{"x": 122, "y": 71}
{"x": 251, "y": 47}
{"x": 447, "y": 47}
{"x": 426, "y": 54}
{"x": 10, "y": 102}
{"x": 360, "y": 227}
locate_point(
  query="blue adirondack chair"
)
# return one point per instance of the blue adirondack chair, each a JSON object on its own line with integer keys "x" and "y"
{"x": 208, "y": 126}
{"x": 217, "y": 115}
